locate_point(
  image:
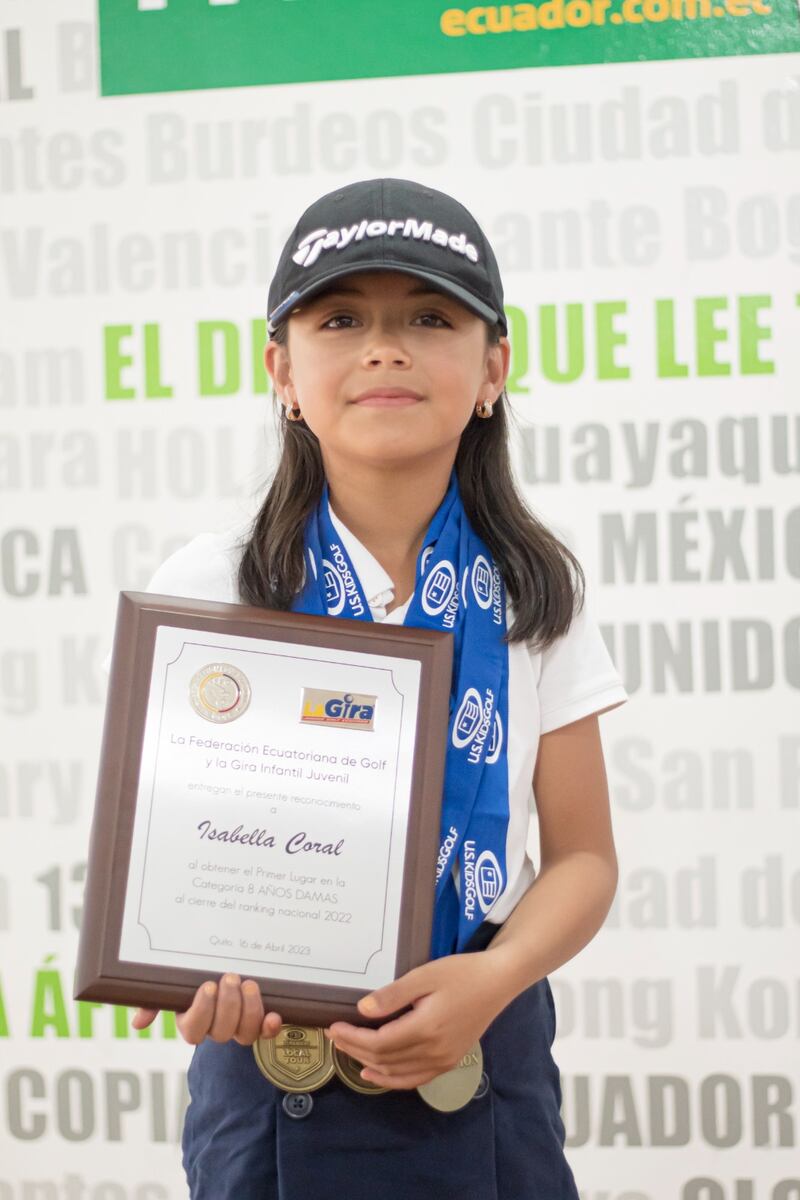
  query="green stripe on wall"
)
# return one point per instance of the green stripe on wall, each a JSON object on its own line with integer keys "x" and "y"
{"x": 190, "y": 44}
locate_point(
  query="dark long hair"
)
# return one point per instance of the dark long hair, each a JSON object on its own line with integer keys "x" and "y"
{"x": 536, "y": 566}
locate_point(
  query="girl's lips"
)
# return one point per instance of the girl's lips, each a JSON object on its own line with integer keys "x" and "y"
{"x": 387, "y": 401}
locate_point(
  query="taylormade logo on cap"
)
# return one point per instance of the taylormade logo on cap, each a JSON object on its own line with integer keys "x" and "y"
{"x": 436, "y": 238}
{"x": 314, "y": 244}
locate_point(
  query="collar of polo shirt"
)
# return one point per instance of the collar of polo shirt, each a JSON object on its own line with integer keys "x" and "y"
{"x": 377, "y": 584}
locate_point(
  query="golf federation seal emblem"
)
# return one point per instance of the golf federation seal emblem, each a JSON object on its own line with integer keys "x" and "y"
{"x": 219, "y": 692}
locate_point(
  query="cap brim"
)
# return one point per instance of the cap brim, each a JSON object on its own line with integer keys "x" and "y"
{"x": 440, "y": 283}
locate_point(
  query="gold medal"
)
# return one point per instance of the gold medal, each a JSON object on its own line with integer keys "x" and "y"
{"x": 297, "y": 1059}
{"x": 349, "y": 1071}
{"x": 454, "y": 1089}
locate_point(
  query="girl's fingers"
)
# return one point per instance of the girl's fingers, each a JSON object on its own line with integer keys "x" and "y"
{"x": 224, "y": 1011}
{"x": 194, "y": 1024}
{"x": 144, "y": 1017}
{"x": 413, "y": 1060}
{"x": 387, "y": 1058}
{"x": 364, "y": 1045}
{"x": 252, "y": 1014}
{"x": 412, "y": 1066}
{"x": 228, "y": 1011}
{"x": 399, "y": 1082}
{"x": 271, "y": 1025}
{"x": 394, "y": 1039}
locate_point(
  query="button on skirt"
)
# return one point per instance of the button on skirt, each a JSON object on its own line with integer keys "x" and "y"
{"x": 240, "y": 1143}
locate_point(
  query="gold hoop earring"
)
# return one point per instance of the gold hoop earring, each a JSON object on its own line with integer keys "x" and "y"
{"x": 484, "y": 409}
{"x": 293, "y": 414}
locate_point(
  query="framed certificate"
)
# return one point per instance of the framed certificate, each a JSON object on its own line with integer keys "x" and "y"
{"x": 268, "y": 803}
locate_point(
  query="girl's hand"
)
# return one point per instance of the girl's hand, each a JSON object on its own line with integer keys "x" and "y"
{"x": 230, "y": 1010}
{"x": 454, "y": 1000}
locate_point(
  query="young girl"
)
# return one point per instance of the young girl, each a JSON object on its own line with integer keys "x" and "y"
{"x": 389, "y": 356}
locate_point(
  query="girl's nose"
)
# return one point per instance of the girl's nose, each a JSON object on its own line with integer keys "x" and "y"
{"x": 387, "y": 350}
{"x": 395, "y": 359}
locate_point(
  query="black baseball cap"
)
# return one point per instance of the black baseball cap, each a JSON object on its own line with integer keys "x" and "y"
{"x": 388, "y": 225}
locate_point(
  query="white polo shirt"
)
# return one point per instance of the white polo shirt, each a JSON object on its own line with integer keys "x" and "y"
{"x": 575, "y": 676}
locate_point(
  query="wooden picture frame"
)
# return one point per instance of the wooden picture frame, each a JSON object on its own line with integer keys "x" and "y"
{"x": 101, "y": 975}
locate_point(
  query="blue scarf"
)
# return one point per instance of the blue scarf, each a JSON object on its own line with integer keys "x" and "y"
{"x": 459, "y": 589}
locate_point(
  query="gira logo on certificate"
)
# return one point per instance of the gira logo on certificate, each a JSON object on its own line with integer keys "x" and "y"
{"x": 353, "y": 709}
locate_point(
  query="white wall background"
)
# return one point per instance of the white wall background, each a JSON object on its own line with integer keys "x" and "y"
{"x": 678, "y": 1025}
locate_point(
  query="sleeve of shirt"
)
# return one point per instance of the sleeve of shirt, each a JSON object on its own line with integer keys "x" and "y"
{"x": 198, "y": 570}
{"x": 578, "y": 676}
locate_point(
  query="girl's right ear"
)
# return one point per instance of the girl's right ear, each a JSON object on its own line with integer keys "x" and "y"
{"x": 276, "y": 364}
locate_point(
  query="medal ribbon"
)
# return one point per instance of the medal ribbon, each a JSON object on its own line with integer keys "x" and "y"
{"x": 459, "y": 589}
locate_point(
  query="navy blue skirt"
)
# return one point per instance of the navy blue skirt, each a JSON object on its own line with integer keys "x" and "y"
{"x": 240, "y": 1143}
